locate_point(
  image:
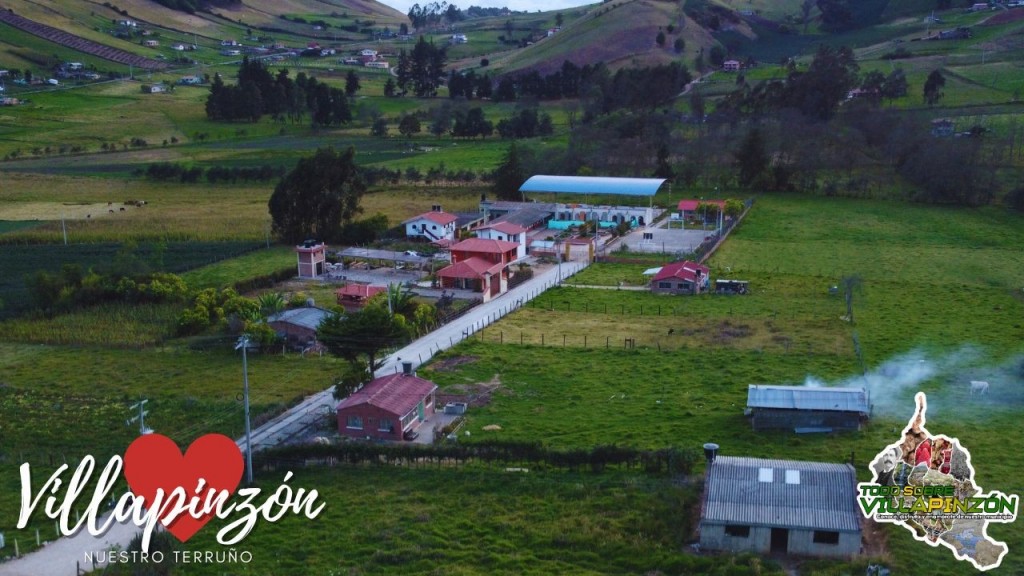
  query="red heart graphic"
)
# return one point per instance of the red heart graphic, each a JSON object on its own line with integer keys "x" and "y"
{"x": 155, "y": 462}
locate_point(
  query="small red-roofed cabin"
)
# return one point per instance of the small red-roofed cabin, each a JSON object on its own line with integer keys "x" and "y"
{"x": 681, "y": 278}
{"x": 353, "y": 296}
{"x": 387, "y": 408}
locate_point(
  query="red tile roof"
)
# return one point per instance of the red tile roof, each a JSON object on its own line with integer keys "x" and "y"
{"x": 442, "y": 218}
{"x": 359, "y": 291}
{"x": 471, "y": 268}
{"x": 691, "y": 205}
{"x": 485, "y": 246}
{"x": 396, "y": 393}
{"x": 684, "y": 270}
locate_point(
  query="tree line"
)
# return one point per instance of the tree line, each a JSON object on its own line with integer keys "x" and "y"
{"x": 258, "y": 93}
{"x": 170, "y": 171}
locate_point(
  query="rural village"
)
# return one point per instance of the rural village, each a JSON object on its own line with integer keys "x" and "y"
{"x": 634, "y": 287}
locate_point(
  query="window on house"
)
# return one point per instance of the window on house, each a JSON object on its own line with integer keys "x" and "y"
{"x": 433, "y": 227}
{"x": 738, "y": 531}
{"x": 385, "y": 425}
{"x": 355, "y": 422}
{"x": 664, "y": 284}
{"x": 826, "y": 537}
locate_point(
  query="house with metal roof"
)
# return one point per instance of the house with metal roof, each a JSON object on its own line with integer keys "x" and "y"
{"x": 807, "y": 408}
{"x": 387, "y": 408}
{"x": 298, "y": 325}
{"x": 780, "y": 507}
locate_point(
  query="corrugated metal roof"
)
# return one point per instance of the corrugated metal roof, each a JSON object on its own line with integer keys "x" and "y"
{"x": 396, "y": 393}
{"x": 808, "y": 398}
{"x": 305, "y": 317}
{"x": 593, "y": 185}
{"x": 824, "y": 499}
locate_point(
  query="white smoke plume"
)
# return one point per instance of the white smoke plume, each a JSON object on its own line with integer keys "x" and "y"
{"x": 892, "y": 384}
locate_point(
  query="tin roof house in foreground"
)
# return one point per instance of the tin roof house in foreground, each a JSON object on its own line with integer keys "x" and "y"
{"x": 780, "y": 507}
{"x": 807, "y": 408}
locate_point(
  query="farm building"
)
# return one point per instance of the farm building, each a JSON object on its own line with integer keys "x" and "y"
{"x": 387, "y": 408}
{"x": 731, "y": 66}
{"x": 312, "y": 256}
{"x": 807, "y": 408}
{"x": 780, "y": 507}
{"x": 298, "y": 325}
{"x": 480, "y": 265}
{"x": 597, "y": 186}
{"x": 681, "y": 278}
{"x": 434, "y": 226}
{"x": 353, "y": 296}
{"x": 377, "y": 64}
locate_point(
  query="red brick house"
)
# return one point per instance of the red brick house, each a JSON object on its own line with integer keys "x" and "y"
{"x": 681, "y": 278}
{"x": 387, "y": 408}
{"x": 481, "y": 265}
{"x": 312, "y": 256}
{"x": 354, "y": 296}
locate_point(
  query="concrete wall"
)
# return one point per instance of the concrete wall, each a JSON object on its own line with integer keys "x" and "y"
{"x": 800, "y": 542}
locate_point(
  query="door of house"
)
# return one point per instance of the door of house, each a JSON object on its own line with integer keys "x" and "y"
{"x": 420, "y": 410}
{"x": 780, "y": 540}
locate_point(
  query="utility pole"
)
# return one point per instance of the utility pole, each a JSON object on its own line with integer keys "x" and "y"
{"x": 141, "y": 418}
{"x": 243, "y": 343}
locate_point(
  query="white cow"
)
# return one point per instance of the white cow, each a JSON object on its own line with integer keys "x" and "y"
{"x": 979, "y": 386}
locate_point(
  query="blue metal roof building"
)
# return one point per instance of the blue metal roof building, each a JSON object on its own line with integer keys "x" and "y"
{"x": 592, "y": 185}
{"x": 807, "y": 408}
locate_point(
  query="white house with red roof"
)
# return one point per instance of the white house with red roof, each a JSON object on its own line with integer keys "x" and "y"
{"x": 684, "y": 277}
{"x": 434, "y": 226}
{"x": 507, "y": 232}
{"x": 481, "y": 265}
{"x": 387, "y": 408}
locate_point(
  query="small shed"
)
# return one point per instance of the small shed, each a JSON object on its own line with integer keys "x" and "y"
{"x": 312, "y": 257}
{"x": 298, "y": 325}
{"x": 780, "y": 507}
{"x": 387, "y": 408}
{"x": 353, "y": 296}
{"x": 807, "y": 408}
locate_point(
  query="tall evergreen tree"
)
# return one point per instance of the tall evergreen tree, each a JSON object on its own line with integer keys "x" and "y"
{"x": 509, "y": 176}
{"x": 319, "y": 196}
{"x": 751, "y": 158}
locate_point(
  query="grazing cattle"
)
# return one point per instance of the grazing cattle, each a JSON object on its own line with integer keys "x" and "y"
{"x": 111, "y": 211}
{"x": 122, "y": 208}
{"x": 979, "y": 387}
